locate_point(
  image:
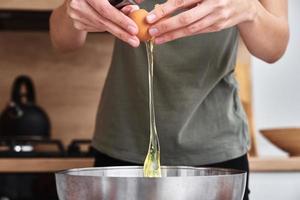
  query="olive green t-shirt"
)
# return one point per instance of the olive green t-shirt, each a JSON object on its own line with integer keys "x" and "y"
{"x": 199, "y": 116}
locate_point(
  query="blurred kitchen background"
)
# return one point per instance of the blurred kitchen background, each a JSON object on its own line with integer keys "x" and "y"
{"x": 67, "y": 90}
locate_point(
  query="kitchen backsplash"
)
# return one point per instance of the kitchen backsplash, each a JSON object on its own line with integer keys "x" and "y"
{"x": 68, "y": 86}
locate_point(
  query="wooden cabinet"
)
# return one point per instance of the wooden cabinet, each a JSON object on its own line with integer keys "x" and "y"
{"x": 29, "y": 4}
{"x": 243, "y": 75}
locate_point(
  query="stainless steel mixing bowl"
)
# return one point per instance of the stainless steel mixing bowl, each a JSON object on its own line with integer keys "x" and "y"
{"x": 128, "y": 183}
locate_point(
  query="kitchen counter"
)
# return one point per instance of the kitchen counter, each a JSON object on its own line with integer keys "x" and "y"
{"x": 275, "y": 164}
{"x": 18, "y": 165}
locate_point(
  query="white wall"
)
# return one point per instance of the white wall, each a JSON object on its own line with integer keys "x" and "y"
{"x": 275, "y": 186}
{"x": 276, "y": 93}
{"x": 276, "y": 87}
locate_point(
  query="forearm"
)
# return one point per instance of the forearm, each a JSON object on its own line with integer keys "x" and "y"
{"x": 266, "y": 35}
{"x": 63, "y": 35}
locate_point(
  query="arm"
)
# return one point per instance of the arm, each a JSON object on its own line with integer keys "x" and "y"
{"x": 267, "y": 35}
{"x": 263, "y": 25}
{"x": 70, "y": 23}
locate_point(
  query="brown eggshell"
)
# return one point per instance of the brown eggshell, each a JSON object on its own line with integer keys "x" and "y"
{"x": 139, "y": 16}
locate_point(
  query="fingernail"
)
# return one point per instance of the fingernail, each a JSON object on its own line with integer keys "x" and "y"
{"x": 132, "y": 29}
{"x": 126, "y": 9}
{"x": 153, "y": 31}
{"x": 134, "y": 8}
{"x": 133, "y": 42}
{"x": 151, "y": 18}
{"x": 159, "y": 40}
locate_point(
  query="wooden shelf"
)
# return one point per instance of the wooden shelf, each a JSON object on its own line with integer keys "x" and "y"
{"x": 19, "y": 165}
{"x": 29, "y": 4}
{"x": 275, "y": 164}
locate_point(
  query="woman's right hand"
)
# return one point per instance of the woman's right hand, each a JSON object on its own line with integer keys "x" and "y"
{"x": 100, "y": 16}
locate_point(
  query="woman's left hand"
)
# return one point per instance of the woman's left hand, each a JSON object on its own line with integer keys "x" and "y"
{"x": 199, "y": 16}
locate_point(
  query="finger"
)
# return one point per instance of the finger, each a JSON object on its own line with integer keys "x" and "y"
{"x": 78, "y": 17}
{"x": 121, "y": 33}
{"x": 210, "y": 29}
{"x": 211, "y": 21}
{"x": 84, "y": 27}
{"x": 106, "y": 10}
{"x": 181, "y": 20}
{"x": 83, "y": 12}
{"x": 165, "y": 9}
{"x": 219, "y": 26}
{"x": 78, "y": 25}
{"x": 124, "y": 36}
{"x": 129, "y": 8}
{"x": 91, "y": 20}
{"x": 139, "y": 1}
{"x": 114, "y": 29}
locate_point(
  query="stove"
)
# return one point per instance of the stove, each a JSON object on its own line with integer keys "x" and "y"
{"x": 31, "y": 148}
{"x": 36, "y": 186}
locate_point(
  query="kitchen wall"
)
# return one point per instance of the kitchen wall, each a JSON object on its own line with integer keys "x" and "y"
{"x": 276, "y": 87}
{"x": 275, "y": 186}
{"x": 276, "y": 100}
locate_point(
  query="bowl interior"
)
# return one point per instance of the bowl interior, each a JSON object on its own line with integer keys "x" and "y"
{"x": 127, "y": 182}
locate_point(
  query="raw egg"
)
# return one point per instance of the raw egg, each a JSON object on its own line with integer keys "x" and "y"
{"x": 139, "y": 17}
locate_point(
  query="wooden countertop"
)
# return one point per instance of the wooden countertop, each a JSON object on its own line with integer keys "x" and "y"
{"x": 56, "y": 164}
{"x": 275, "y": 164}
{"x": 29, "y": 4}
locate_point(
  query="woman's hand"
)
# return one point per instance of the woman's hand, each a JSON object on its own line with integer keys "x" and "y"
{"x": 199, "y": 16}
{"x": 100, "y": 16}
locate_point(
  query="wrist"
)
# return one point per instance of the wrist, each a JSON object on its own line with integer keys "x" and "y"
{"x": 252, "y": 15}
{"x": 253, "y": 8}
{"x": 68, "y": 20}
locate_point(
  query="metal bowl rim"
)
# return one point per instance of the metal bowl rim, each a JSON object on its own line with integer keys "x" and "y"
{"x": 233, "y": 172}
